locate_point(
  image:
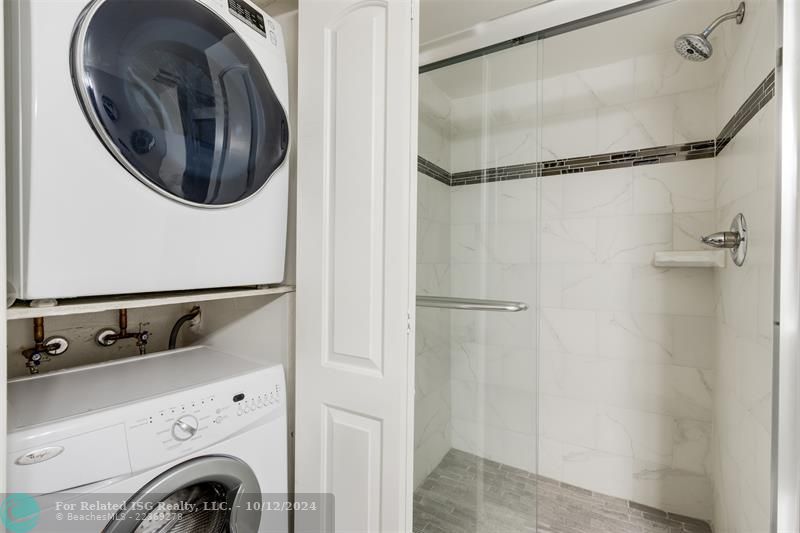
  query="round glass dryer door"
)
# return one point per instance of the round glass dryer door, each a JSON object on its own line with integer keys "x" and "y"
{"x": 211, "y": 494}
{"x": 179, "y": 99}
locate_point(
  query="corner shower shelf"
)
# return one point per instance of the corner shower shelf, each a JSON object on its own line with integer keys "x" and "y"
{"x": 75, "y": 306}
{"x": 691, "y": 259}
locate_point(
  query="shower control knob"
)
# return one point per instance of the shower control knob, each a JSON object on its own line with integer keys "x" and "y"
{"x": 734, "y": 240}
{"x": 185, "y": 428}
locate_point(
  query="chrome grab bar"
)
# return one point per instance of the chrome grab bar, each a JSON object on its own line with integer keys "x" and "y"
{"x": 470, "y": 304}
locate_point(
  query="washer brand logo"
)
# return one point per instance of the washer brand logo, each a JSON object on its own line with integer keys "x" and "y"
{"x": 19, "y": 513}
{"x": 39, "y": 456}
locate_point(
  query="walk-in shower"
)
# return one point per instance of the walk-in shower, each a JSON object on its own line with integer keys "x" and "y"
{"x": 584, "y": 362}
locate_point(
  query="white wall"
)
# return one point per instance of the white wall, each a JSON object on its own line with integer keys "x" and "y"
{"x": 746, "y": 178}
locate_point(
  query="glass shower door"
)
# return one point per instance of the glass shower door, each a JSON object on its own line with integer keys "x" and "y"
{"x": 477, "y": 318}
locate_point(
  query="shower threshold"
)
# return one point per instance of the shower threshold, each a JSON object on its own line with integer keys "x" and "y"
{"x": 468, "y": 494}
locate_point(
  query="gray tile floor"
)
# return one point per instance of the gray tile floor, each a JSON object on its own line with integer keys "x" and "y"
{"x": 468, "y": 494}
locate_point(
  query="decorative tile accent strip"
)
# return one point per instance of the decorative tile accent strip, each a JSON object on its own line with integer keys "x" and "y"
{"x": 573, "y": 165}
{"x": 434, "y": 171}
{"x": 630, "y": 158}
{"x": 754, "y": 103}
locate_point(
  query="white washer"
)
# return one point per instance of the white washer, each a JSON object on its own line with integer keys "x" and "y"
{"x": 149, "y": 146}
{"x": 193, "y": 425}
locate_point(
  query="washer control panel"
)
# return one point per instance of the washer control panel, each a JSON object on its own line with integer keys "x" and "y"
{"x": 172, "y": 426}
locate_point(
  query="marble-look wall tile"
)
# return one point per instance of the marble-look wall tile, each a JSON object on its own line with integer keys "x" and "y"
{"x": 678, "y": 391}
{"x": 435, "y": 117}
{"x": 508, "y": 447}
{"x": 494, "y": 247}
{"x": 681, "y": 291}
{"x": 569, "y": 240}
{"x": 633, "y": 239}
{"x": 432, "y": 414}
{"x": 673, "y": 489}
{"x": 746, "y": 178}
{"x": 689, "y": 228}
{"x": 598, "y": 110}
{"x": 593, "y": 194}
{"x": 684, "y": 187}
{"x": 627, "y": 350}
{"x": 626, "y": 357}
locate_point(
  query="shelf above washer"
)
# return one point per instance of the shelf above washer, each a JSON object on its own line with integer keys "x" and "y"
{"x": 97, "y": 304}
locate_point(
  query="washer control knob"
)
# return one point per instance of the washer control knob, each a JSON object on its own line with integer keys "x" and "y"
{"x": 185, "y": 428}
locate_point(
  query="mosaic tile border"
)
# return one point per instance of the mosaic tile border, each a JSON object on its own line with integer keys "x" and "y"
{"x": 556, "y": 167}
{"x": 754, "y": 103}
{"x": 630, "y": 158}
{"x": 434, "y": 171}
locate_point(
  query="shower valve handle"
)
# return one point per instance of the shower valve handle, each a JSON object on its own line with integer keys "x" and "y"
{"x": 723, "y": 239}
{"x": 735, "y": 239}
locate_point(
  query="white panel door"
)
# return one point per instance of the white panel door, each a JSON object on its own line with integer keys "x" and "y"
{"x": 356, "y": 259}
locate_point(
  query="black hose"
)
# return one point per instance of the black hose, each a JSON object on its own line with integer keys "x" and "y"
{"x": 173, "y": 335}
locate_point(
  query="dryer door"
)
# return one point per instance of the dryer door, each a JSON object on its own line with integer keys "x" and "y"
{"x": 179, "y": 99}
{"x": 213, "y": 494}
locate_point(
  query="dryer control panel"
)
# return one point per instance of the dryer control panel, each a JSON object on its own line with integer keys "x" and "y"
{"x": 248, "y": 14}
{"x": 173, "y": 426}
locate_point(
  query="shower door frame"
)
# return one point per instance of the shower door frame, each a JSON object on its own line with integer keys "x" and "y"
{"x": 786, "y": 367}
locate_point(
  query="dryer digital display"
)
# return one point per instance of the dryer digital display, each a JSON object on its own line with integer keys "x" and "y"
{"x": 249, "y": 15}
{"x": 179, "y": 99}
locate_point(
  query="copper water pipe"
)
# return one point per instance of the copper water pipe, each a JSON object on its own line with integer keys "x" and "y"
{"x": 141, "y": 336}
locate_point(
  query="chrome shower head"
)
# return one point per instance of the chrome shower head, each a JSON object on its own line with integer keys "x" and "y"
{"x": 696, "y": 46}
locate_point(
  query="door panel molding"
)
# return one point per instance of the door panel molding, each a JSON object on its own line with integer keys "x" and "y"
{"x": 356, "y": 258}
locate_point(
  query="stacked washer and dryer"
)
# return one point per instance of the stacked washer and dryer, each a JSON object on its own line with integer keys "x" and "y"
{"x": 148, "y": 145}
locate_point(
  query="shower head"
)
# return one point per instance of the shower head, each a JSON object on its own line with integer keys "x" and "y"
{"x": 696, "y": 46}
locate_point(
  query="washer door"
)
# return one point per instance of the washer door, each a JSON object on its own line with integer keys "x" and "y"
{"x": 179, "y": 99}
{"x": 213, "y": 494}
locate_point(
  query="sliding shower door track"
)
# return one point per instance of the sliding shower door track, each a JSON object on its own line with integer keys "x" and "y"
{"x": 559, "y": 29}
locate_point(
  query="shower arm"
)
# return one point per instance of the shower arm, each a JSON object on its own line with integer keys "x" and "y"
{"x": 738, "y": 15}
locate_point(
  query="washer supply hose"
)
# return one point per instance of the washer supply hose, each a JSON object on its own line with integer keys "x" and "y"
{"x": 176, "y": 329}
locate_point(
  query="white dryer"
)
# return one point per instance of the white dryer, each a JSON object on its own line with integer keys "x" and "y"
{"x": 148, "y": 146}
{"x": 194, "y": 430}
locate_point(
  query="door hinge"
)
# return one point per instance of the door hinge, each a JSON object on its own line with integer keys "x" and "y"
{"x": 408, "y": 324}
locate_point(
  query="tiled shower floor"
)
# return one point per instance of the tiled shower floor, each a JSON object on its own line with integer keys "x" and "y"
{"x": 505, "y": 501}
